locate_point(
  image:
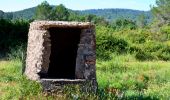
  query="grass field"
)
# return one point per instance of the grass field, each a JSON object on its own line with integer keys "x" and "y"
{"x": 9, "y": 79}
{"x": 122, "y": 77}
{"x": 133, "y": 79}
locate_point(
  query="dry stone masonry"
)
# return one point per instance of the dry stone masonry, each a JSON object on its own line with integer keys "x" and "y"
{"x": 60, "y": 53}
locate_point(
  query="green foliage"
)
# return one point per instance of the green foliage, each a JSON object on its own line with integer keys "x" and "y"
{"x": 114, "y": 14}
{"x": 8, "y": 16}
{"x": 28, "y": 87}
{"x": 13, "y": 84}
{"x": 1, "y": 14}
{"x": 161, "y": 12}
{"x": 107, "y": 14}
{"x": 112, "y": 44}
{"x": 90, "y": 17}
{"x": 122, "y": 77}
{"x": 132, "y": 61}
{"x": 165, "y": 29}
{"x": 12, "y": 34}
{"x": 106, "y": 43}
{"x": 123, "y": 24}
{"x": 61, "y": 13}
{"x": 143, "y": 55}
{"x": 46, "y": 12}
{"x": 43, "y": 11}
{"x": 139, "y": 42}
{"x": 17, "y": 53}
{"x": 133, "y": 79}
{"x": 141, "y": 21}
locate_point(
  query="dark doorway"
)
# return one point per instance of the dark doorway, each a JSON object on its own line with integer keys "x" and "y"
{"x": 64, "y": 45}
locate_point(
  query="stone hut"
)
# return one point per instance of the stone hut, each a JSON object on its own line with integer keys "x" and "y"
{"x": 60, "y": 52}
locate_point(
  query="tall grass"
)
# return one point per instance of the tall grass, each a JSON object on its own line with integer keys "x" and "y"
{"x": 122, "y": 77}
{"x": 12, "y": 84}
{"x": 128, "y": 78}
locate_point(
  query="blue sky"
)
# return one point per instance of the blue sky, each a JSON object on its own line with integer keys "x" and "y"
{"x": 15, "y": 5}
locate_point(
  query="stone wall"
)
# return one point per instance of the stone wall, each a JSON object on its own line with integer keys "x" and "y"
{"x": 39, "y": 49}
{"x": 86, "y": 55}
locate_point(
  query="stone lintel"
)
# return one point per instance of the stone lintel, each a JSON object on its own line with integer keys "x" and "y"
{"x": 43, "y": 25}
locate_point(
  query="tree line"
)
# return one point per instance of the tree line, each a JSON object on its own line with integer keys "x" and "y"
{"x": 13, "y": 33}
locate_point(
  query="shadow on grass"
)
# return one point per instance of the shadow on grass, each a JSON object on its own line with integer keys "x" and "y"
{"x": 7, "y": 78}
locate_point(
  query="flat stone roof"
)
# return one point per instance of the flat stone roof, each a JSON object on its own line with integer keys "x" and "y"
{"x": 59, "y": 24}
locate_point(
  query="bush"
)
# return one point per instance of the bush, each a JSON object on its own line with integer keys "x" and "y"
{"x": 103, "y": 54}
{"x": 143, "y": 55}
{"x": 112, "y": 44}
{"x": 120, "y": 24}
{"x": 164, "y": 56}
{"x": 134, "y": 49}
{"x": 109, "y": 44}
{"x": 17, "y": 53}
{"x": 166, "y": 30}
{"x": 106, "y": 43}
{"x": 12, "y": 33}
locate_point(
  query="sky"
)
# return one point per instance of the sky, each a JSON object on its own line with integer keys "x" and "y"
{"x": 16, "y": 5}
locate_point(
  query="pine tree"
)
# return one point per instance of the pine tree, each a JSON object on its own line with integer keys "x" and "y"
{"x": 61, "y": 13}
{"x": 43, "y": 11}
{"x": 162, "y": 12}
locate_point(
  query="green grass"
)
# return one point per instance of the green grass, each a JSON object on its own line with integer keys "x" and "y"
{"x": 9, "y": 77}
{"x": 134, "y": 79}
{"x": 12, "y": 84}
{"x": 122, "y": 77}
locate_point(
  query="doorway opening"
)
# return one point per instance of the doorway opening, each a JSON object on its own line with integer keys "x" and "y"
{"x": 64, "y": 46}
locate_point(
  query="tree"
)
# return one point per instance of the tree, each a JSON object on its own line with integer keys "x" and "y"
{"x": 162, "y": 12}
{"x": 61, "y": 13}
{"x": 123, "y": 24}
{"x": 90, "y": 18}
{"x": 8, "y": 16}
{"x": 141, "y": 21}
{"x": 43, "y": 11}
{"x": 1, "y": 14}
{"x": 101, "y": 21}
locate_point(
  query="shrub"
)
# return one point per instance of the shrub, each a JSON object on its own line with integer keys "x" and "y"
{"x": 106, "y": 43}
{"x": 109, "y": 44}
{"x": 143, "y": 55}
{"x": 18, "y": 52}
{"x": 166, "y": 30}
{"x": 112, "y": 44}
{"x": 12, "y": 33}
{"x": 120, "y": 24}
{"x": 164, "y": 56}
{"x": 134, "y": 48}
{"x": 103, "y": 54}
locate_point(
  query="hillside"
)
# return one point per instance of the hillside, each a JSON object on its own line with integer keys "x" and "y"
{"x": 23, "y": 14}
{"x": 113, "y": 14}
{"x": 108, "y": 14}
{"x": 26, "y": 13}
